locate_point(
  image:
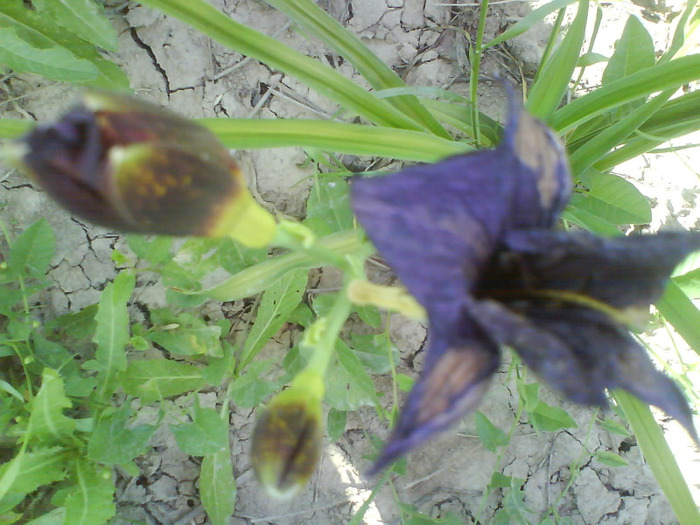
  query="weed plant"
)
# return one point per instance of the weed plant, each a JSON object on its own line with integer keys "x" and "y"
{"x": 62, "y": 436}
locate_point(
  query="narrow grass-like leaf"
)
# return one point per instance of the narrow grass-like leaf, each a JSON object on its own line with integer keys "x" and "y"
{"x": 334, "y": 136}
{"x": 670, "y": 75}
{"x": 156, "y": 379}
{"x": 112, "y": 332}
{"x": 553, "y": 81}
{"x": 11, "y": 128}
{"x": 204, "y": 17}
{"x": 587, "y": 155}
{"x": 680, "y": 311}
{"x": 277, "y": 304}
{"x": 317, "y": 22}
{"x": 659, "y": 457}
{"x": 91, "y": 501}
{"x": 217, "y": 486}
{"x": 31, "y": 252}
{"x": 82, "y": 18}
{"x": 530, "y": 20}
{"x": 47, "y": 422}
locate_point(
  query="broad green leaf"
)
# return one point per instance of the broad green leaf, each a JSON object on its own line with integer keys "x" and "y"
{"x": 610, "y": 459}
{"x": 490, "y": 435}
{"x": 234, "y": 256}
{"x": 589, "y": 221}
{"x": 38, "y": 467}
{"x": 348, "y": 386}
{"x": 553, "y": 81}
{"x": 55, "y": 63}
{"x": 77, "y": 325}
{"x": 550, "y": 418}
{"x": 689, "y": 283}
{"x": 588, "y": 59}
{"x": 659, "y": 457}
{"x": 613, "y": 199}
{"x": 207, "y": 434}
{"x": 499, "y": 481}
{"x": 47, "y": 423}
{"x": 335, "y": 423}
{"x": 31, "y": 252}
{"x": 249, "y": 389}
{"x": 530, "y": 20}
{"x": 217, "y": 486}
{"x": 616, "y": 428}
{"x": 114, "y": 442}
{"x": 375, "y": 71}
{"x": 375, "y": 352}
{"x": 325, "y": 80}
{"x": 634, "y": 51}
{"x": 82, "y": 18}
{"x": 151, "y": 248}
{"x": 277, "y": 304}
{"x": 192, "y": 337}
{"x": 112, "y": 332}
{"x": 328, "y": 207}
{"x": 91, "y": 501}
{"x": 156, "y": 379}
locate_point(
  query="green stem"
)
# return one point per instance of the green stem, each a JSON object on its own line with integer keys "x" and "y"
{"x": 476, "y": 66}
{"x": 324, "y": 346}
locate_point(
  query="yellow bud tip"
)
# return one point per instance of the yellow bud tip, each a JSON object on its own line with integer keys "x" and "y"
{"x": 363, "y": 293}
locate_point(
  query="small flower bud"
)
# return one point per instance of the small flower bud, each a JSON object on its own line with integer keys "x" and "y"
{"x": 287, "y": 437}
{"x": 131, "y": 166}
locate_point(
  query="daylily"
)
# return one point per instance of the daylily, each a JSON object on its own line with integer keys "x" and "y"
{"x": 131, "y": 166}
{"x": 472, "y": 240}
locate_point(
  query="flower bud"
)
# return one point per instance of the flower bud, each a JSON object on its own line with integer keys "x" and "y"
{"x": 131, "y": 166}
{"x": 287, "y": 437}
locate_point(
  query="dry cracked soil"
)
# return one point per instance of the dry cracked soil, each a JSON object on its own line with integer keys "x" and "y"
{"x": 177, "y": 67}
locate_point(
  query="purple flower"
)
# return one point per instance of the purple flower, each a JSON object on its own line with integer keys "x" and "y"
{"x": 472, "y": 239}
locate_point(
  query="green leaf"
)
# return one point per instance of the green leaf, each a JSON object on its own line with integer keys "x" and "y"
{"x": 353, "y": 139}
{"x": 217, "y": 486}
{"x": 112, "y": 332}
{"x": 335, "y": 423}
{"x": 375, "y": 352}
{"x": 680, "y": 311}
{"x": 249, "y": 389}
{"x": 634, "y": 51}
{"x": 47, "y": 423}
{"x": 192, "y": 337}
{"x": 156, "y": 379}
{"x": 553, "y": 80}
{"x": 614, "y": 427}
{"x": 328, "y": 207}
{"x": 38, "y": 467}
{"x": 234, "y": 256}
{"x": 55, "y": 63}
{"x": 277, "y": 304}
{"x": 589, "y": 221}
{"x": 348, "y": 386}
{"x": 490, "y": 435}
{"x": 689, "y": 283}
{"x": 612, "y": 199}
{"x": 31, "y": 252}
{"x": 528, "y": 21}
{"x": 90, "y": 502}
{"x": 82, "y": 18}
{"x": 610, "y": 459}
{"x": 659, "y": 457}
{"x": 155, "y": 249}
{"x": 207, "y": 434}
{"x": 113, "y": 442}
{"x": 325, "y": 80}
{"x": 375, "y": 71}
{"x": 550, "y": 418}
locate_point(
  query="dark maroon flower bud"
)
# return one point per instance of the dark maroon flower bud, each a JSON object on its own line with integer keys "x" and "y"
{"x": 131, "y": 166}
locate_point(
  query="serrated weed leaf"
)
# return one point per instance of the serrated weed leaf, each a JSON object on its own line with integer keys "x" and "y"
{"x": 472, "y": 239}
{"x": 31, "y": 252}
{"x": 217, "y": 486}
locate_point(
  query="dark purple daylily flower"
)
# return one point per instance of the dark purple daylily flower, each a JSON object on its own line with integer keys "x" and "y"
{"x": 472, "y": 240}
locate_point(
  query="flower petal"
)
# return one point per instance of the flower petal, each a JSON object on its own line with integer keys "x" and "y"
{"x": 447, "y": 390}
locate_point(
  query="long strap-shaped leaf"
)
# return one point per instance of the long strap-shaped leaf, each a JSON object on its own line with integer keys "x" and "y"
{"x": 661, "y": 77}
{"x": 379, "y": 75}
{"x": 202, "y": 16}
{"x": 660, "y": 458}
{"x": 553, "y": 81}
